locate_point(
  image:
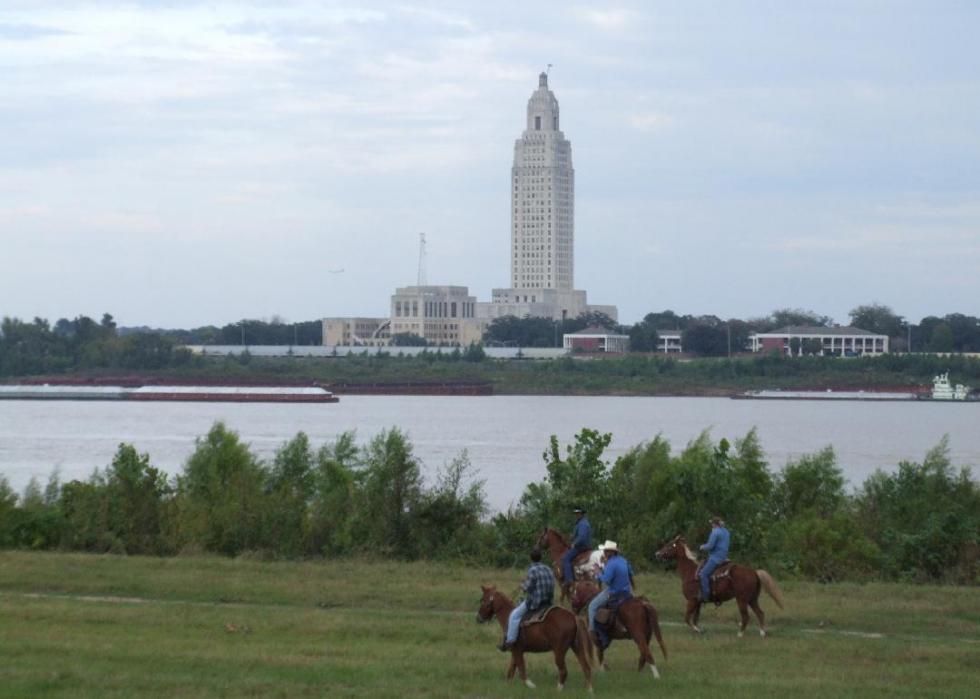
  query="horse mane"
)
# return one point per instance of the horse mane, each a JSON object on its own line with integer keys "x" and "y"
{"x": 561, "y": 537}
{"x": 690, "y": 555}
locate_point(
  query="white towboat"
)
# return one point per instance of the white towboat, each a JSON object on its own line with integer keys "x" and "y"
{"x": 943, "y": 390}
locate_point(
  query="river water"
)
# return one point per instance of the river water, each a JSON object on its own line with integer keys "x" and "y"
{"x": 504, "y": 435}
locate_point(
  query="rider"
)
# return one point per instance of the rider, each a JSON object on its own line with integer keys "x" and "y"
{"x": 717, "y": 549}
{"x": 617, "y": 578}
{"x": 581, "y": 541}
{"x": 539, "y": 589}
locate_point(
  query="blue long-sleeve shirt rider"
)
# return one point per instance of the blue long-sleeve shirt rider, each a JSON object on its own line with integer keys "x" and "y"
{"x": 539, "y": 586}
{"x": 717, "y": 546}
{"x": 616, "y": 578}
{"x": 582, "y": 535}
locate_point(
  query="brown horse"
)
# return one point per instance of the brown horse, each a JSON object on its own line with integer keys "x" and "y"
{"x": 742, "y": 583}
{"x": 559, "y": 631}
{"x": 584, "y": 566}
{"x": 639, "y": 622}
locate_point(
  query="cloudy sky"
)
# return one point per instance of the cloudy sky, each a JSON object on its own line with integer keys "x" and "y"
{"x": 181, "y": 163}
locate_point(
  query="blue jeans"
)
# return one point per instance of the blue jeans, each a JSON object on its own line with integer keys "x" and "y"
{"x": 514, "y": 622}
{"x": 567, "y": 573}
{"x": 709, "y": 568}
{"x": 595, "y": 605}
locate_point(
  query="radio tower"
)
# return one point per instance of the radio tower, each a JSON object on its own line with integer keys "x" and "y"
{"x": 421, "y": 279}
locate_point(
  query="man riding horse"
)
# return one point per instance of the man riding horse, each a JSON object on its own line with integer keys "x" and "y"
{"x": 581, "y": 542}
{"x": 539, "y": 591}
{"x": 618, "y": 580}
{"x": 717, "y": 550}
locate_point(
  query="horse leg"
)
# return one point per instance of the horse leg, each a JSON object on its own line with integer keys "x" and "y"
{"x": 522, "y": 670}
{"x": 743, "y": 610}
{"x": 510, "y": 670}
{"x": 560, "y": 664}
{"x": 760, "y": 616}
{"x": 641, "y": 637}
{"x": 693, "y": 614}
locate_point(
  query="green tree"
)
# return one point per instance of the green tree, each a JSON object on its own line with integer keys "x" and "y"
{"x": 941, "y": 339}
{"x": 408, "y": 340}
{"x": 706, "y": 340}
{"x": 221, "y": 494}
{"x": 878, "y": 319}
{"x": 391, "y": 487}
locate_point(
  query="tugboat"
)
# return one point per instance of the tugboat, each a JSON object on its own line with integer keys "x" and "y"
{"x": 942, "y": 390}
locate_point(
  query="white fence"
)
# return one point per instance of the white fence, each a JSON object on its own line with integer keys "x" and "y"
{"x": 344, "y": 350}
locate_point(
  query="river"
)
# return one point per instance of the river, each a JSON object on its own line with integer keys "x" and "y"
{"x": 504, "y": 435}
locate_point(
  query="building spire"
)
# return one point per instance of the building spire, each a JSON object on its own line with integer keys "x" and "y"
{"x": 543, "y": 79}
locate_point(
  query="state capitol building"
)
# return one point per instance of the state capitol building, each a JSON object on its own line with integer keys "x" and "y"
{"x": 542, "y": 252}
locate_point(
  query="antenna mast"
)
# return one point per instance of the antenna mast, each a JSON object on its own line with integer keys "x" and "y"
{"x": 421, "y": 277}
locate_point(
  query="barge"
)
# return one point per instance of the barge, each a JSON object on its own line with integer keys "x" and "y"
{"x": 224, "y": 394}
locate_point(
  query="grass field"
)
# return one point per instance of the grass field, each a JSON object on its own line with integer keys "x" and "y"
{"x": 76, "y": 625}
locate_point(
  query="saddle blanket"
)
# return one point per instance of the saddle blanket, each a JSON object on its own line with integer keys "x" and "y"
{"x": 722, "y": 571}
{"x": 537, "y": 616}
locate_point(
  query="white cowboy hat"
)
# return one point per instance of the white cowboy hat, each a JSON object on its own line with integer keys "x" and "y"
{"x": 610, "y": 545}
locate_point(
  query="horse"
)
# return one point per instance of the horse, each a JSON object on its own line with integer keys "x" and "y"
{"x": 740, "y": 582}
{"x": 559, "y": 631}
{"x": 585, "y": 566}
{"x": 639, "y": 622}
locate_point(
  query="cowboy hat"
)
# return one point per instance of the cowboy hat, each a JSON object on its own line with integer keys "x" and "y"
{"x": 610, "y": 545}
{"x": 578, "y": 510}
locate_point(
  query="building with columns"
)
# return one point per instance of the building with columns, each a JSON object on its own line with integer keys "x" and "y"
{"x": 840, "y": 342}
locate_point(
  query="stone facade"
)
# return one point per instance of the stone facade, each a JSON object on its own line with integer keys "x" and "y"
{"x": 366, "y": 332}
{"x": 443, "y": 315}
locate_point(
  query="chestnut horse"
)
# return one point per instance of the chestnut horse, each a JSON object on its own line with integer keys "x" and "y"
{"x": 637, "y": 615}
{"x": 559, "y": 631}
{"x": 585, "y": 566}
{"x": 742, "y": 583}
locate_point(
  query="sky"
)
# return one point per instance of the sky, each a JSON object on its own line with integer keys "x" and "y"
{"x": 179, "y": 164}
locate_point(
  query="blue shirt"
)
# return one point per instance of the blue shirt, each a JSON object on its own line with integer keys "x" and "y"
{"x": 582, "y": 535}
{"x": 616, "y": 575}
{"x": 717, "y": 546}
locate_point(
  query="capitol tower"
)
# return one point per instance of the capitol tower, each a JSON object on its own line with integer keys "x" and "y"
{"x": 542, "y": 214}
{"x": 542, "y": 199}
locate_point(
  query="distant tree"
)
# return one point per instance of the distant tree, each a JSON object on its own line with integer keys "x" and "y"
{"x": 941, "y": 339}
{"x": 739, "y": 331}
{"x": 665, "y": 320}
{"x": 644, "y": 337}
{"x": 812, "y": 345}
{"x": 878, "y": 319}
{"x": 966, "y": 332}
{"x": 782, "y": 317}
{"x": 794, "y": 346}
{"x": 706, "y": 340}
{"x": 407, "y": 340}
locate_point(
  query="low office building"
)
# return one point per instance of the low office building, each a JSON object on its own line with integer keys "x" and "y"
{"x": 442, "y": 315}
{"x": 803, "y": 340}
{"x": 596, "y": 340}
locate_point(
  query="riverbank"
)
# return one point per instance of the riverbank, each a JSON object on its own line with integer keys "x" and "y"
{"x": 118, "y": 626}
{"x": 630, "y": 375}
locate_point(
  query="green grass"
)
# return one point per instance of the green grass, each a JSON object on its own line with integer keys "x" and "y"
{"x": 102, "y": 626}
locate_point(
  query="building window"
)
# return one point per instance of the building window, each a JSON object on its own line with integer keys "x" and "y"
{"x": 452, "y": 309}
{"x": 415, "y": 308}
{"x": 537, "y": 123}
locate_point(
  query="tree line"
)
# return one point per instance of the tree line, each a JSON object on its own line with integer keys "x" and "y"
{"x": 918, "y": 523}
{"x": 709, "y": 335}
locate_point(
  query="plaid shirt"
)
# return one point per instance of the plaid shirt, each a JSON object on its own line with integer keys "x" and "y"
{"x": 539, "y": 586}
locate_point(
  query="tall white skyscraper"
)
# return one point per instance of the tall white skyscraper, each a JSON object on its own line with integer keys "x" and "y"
{"x": 542, "y": 199}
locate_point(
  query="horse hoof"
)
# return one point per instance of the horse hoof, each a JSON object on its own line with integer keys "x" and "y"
{"x": 560, "y": 686}
{"x": 530, "y": 684}
{"x": 741, "y": 633}
{"x": 655, "y": 671}
{"x": 762, "y": 632}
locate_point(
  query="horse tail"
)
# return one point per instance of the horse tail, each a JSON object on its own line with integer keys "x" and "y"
{"x": 654, "y": 625}
{"x": 582, "y": 644}
{"x": 771, "y": 587}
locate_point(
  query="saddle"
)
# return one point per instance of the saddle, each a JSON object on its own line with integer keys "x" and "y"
{"x": 537, "y": 616}
{"x": 723, "y": 571}
{"x": 608, "y": 625}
